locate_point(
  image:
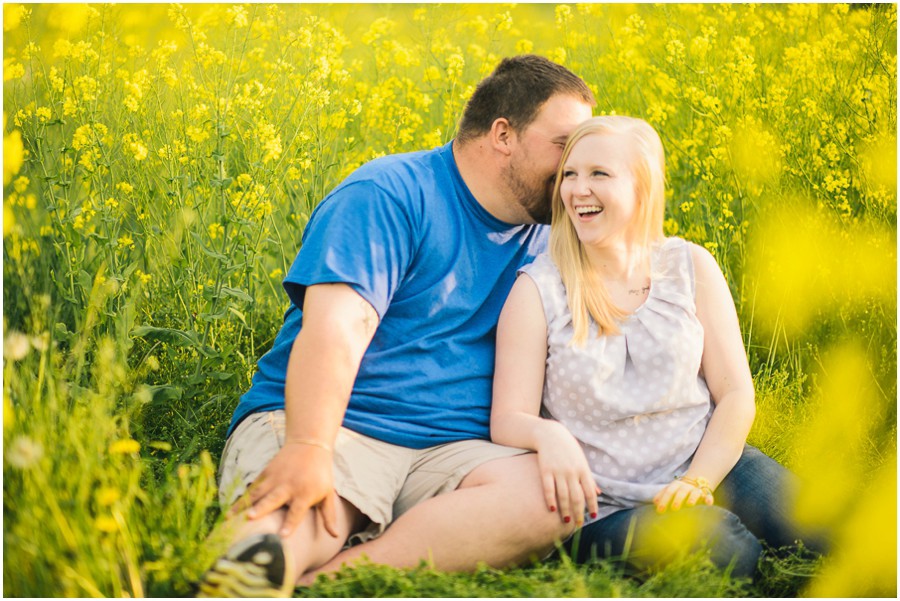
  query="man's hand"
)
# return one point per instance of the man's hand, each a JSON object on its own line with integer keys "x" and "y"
{"x": 299, "y": 477}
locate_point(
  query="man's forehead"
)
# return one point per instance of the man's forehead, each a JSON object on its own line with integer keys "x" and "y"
{"x": 559, "y": 116}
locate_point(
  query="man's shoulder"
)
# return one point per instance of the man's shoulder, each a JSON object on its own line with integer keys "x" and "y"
{"x": 399, "y": 172}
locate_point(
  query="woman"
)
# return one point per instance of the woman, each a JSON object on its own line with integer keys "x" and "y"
{"x": 620, "y": 361}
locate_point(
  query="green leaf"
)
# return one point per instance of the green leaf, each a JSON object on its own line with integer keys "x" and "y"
{"x": 165, "y": 392}
{"x": 239, "y": 314}
{"x": 210, "y": 317}
{"x": 172, "y": 336}
{"x": 220, "y": 375}
{"x": 237, "y": 293}
{"x": 85, "y": 281}
{"x": 61, "y": 332}
{"x": 207, "y": 250}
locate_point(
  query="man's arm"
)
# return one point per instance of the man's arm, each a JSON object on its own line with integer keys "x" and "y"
{"x": 338, "y": 325}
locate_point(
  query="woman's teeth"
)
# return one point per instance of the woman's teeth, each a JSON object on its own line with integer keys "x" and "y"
{"x": 588, "y": 210}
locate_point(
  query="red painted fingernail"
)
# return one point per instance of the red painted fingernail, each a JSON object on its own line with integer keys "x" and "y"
{"x": 553, "y": 508}
{"x": 567, "y": 519}
{"x": 593, "y": 515}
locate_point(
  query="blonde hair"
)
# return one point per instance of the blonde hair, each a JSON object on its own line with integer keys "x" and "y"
{"x": 585, "y": 290}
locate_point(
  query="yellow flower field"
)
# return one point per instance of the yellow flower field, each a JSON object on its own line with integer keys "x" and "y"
{"x": 160, "y": 162}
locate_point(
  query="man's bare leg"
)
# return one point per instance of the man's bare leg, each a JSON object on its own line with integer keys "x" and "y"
{"x": 497, "y": 515}
{"x": 308, "y": 547}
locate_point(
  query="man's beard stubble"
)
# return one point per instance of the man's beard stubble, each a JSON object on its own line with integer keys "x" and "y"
{"x": 534, "y": 199}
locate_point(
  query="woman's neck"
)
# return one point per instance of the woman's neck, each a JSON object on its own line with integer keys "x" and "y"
{"x": 619, "y": 262}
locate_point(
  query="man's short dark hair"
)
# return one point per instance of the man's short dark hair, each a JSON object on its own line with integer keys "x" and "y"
{"x": 516, "y": 90}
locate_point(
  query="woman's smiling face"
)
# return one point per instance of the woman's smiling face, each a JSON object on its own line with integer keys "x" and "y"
{"x": 598, "y": 188}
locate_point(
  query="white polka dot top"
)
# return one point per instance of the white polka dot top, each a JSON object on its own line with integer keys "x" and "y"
{"x": 635, "y": 401}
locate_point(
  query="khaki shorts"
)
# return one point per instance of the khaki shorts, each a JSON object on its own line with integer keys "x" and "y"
{"x": 380, "y": 479}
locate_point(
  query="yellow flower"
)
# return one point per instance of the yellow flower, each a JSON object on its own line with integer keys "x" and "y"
{"x": 504, "y": 21}
{"x": 43, "y": 113}
{"x": 237, "y": 16}
{"x": 197, "y": 134}
{"x": 21, "y": 184}
{"x": 12, "y": 69}
{"x": 670, "y": 227}
{"x": 87, "y": 86}
{"x": 70, "y": 106}
{"x": 106, "y": 496}
{"x": 125, "y": 241}
{"x": 271, "y": 142}
{"x": 152, "y": 362}
{"x": 563, "y": 14}
{"x": 106, "y": 523}
{"x": 455, "y": 65}
{"x": 13, "y": 153}
{"x": 124, "y": 447}
{"x": 56, "y": 82}
{"x": 216, "y": 230}
{"x": 557, "y": 55}
{"x": 12, "y": 16}
{"x": 135, "y": 146}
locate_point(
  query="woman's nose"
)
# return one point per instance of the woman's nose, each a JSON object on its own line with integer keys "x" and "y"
{"x": 581, "y": 187}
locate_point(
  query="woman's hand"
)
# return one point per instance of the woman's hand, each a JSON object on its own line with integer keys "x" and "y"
{"x": 684, "y": 492}
{"x": 565, "y": 475}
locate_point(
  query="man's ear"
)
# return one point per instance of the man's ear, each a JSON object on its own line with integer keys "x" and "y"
{"x": 502, "y": 135}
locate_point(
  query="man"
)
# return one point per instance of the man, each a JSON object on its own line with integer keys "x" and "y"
{"x": 372, "y": 408}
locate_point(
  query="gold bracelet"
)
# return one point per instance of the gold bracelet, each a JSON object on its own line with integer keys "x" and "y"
{"x": 701, "y": 483}
{"x": 310, "y": 442}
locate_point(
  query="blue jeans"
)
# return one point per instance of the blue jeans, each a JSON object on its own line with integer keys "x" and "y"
{"x": 753, "y": 504}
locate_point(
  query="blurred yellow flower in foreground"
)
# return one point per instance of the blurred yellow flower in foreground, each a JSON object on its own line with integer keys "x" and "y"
{"x": 805, "y": 263}
{"x": 829, "y": 452}
{"x": 124, "y": 447}
{"x": 672, "y": 536}
{"x": 865, "y": 561}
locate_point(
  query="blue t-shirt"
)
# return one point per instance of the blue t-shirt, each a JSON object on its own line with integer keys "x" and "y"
{"x": 406, "y": 233}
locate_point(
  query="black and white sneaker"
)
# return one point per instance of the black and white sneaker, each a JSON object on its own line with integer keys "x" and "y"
{"x": 254, "y": 567}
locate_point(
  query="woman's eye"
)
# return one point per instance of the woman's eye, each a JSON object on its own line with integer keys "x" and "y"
{"x": 598, "y": 173}
{"x": 568, "y": 174}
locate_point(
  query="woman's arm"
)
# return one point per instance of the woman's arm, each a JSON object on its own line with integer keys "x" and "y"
{"x": 727, "y": 375}
{"x": 515, "y": 420}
